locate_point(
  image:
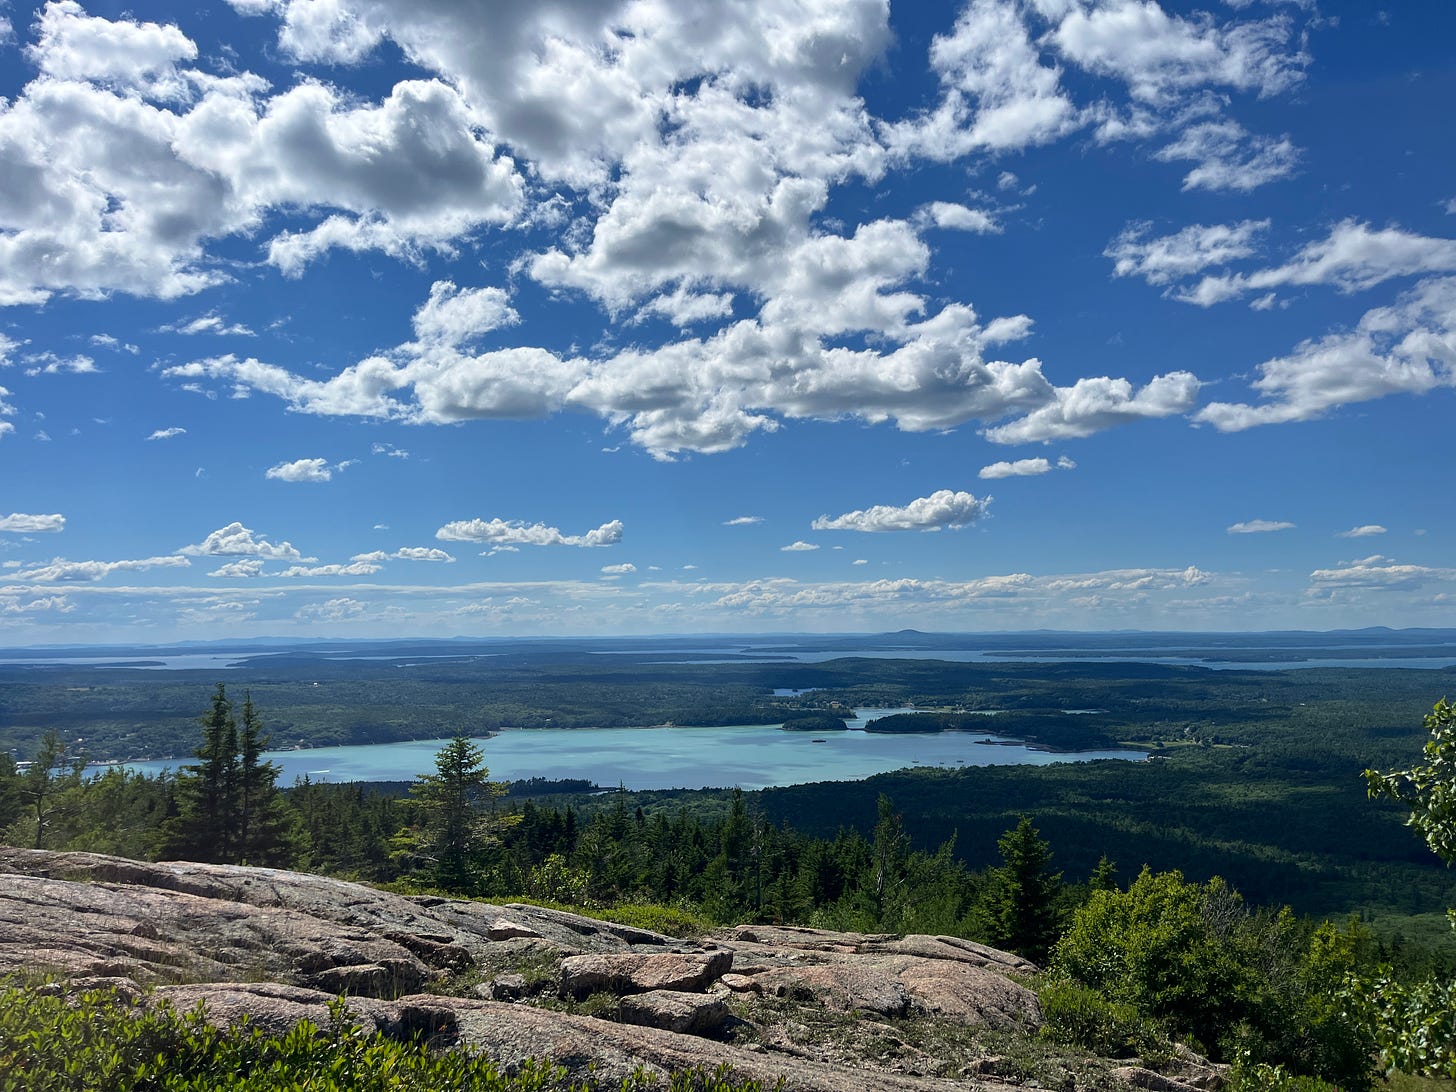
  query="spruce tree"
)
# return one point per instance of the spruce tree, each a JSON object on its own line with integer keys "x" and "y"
{"x": 229, "y": 810}
{"x": 454, "y": 833}
{"x": 1021, "y": 900}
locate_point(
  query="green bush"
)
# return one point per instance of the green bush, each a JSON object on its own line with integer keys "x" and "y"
{"x": 99, "y": 1043}
{"x": 1078, "y": 1016}
{"x": 1256, "y": 985}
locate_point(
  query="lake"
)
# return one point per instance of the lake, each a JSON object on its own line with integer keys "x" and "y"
{"x": 751, "y": 756}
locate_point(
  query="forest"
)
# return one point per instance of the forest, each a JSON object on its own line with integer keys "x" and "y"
{"x": 1252, "y": 800}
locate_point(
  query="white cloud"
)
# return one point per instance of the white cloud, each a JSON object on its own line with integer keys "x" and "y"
{"x": 859, "y": 561}
{"x": 623, "y": 569}
{"x": 997, "y": 95}
{"x": 506, "y": 533}
{"x": 742, "y": 521}
{"x": 1093, "y": 404}
{"x": 49, "y": 363}
{"x": 302, "y": 470}
{"x": 168, "y": 433}
{"x": 1026, "y": 467}
{"x": 455, "y": 316}
{"x": 1160, "y": 55}
{"x": 943, "y": 508}
{"x": 8, "y": 345}
{"x": 1381, "y": 573}
{"x": 1229, "y": 158}
{"x": 1184, "y": 253}
{"x": 137, "y": 57}
{"x": 956, "y": 217}
{"x": 245, "y": 567}
{"x": 1363, "y": 531}
{"x": 405, "y": 174}
{"x": 354, "y": 568}
{"x": 209, "y": 324}
{"x": 420, "y": 553}
{"x": 797, "y": 547}
{"x": 63, "y": 571}
{"x": 1259, "y": 527}
{"x": 235, "y": 540}
{"x": 60, "y": 604}
{"x": 22, "y": 523}
{"x": 390, "y": 450}
{"x": 104, "y": 341}
{"x": 1406, "y": 348}
{"x": 1352, "y": 258}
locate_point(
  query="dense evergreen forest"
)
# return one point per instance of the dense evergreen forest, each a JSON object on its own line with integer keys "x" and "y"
{"x": 1252, "y": 799}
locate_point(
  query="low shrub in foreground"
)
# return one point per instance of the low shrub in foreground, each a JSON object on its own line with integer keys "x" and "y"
{"x": 98, "y": 1043}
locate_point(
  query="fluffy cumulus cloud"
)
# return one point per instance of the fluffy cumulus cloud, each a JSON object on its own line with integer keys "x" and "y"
{"x": 1091, "y": 405}
{"x": 301, "y": 470}
{"x": 1259, "y": 526}
{"x": 168, "y": 433}
{"x": 128, "y": 155}
{"x": 799, "y": 547}
{"x": 1024, "y": 468}
{"x": 1406, "y": 348}
{"x": 235, "y": 540}
{"x": 23, "y": 523}
{"x": 246, "y": 567}
{"x": 1365, "y": 530}
{"x": 421, "y": 553}
{"x": 506, "y": 533}
{"x": 624, "y": 569}
{"x": 692, "y": 152}
{"x": 944, "y": 508}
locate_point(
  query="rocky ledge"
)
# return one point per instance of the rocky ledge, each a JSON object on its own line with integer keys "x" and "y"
{"x": 826, "y": 1011}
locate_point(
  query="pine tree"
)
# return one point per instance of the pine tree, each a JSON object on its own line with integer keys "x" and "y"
{"x": 51, "y": 773}
{"x": 454, "y": 833}
{"x": 229, "y": 810}
{"x": 1021, "y": 900}
{"x": 890, "y": 850}
{"x": 1104, "y": 876}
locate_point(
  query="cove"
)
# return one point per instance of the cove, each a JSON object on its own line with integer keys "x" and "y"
{"x": 750, "y": 756}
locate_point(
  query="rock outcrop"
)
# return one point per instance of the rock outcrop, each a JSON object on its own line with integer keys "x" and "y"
{"x": 826, "y": 1010}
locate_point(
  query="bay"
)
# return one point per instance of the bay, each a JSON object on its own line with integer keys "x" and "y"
{"x": 750, "y": 756}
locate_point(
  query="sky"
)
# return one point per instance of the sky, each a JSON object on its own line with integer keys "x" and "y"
{"x": 377, "y": 318}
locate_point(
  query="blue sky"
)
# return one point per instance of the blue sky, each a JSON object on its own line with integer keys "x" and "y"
{"x": 325, "y": 318}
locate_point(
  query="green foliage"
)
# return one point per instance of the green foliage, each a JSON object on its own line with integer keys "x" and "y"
{"x": 228, "y": 807}
{"x": 1240, "y": 984}
{"x": 97, "y": 1043}
{"x": 1076, "y": 1015}
{"x": 1415, "y": 1024}
{"x": 1020, "y": 904}
{"x": 44, "y": 791}
{"x": 454, "y": 832}
{"x": 1249, "y": 1076}
{"x": 1429, "y": 791}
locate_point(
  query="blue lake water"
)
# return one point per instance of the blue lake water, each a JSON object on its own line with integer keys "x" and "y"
{"x": 749, "y": 756}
